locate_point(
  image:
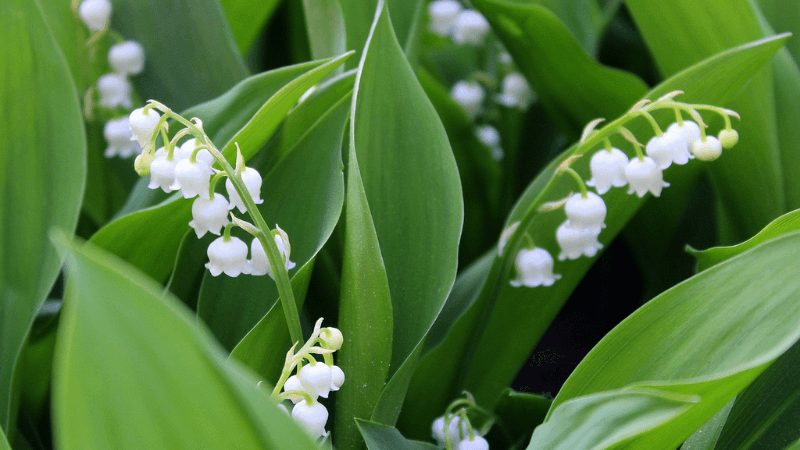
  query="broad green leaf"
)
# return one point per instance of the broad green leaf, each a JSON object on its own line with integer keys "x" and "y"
{"x": 518, "y": 413}
{"x": 573, "y": 87}
{"x": 4, "y": 442}
{"x": 404, "y": 156}
{"x": 359, "y": 15}
{"x": 325, "y": 27}
{"x": 187, "y": 274}
{"x": 190, "y": 52}
{"x": 733, "y": 323}
{"x": 584, "y": 18}
{"x": 134, "y": 370}
{"x": 780, "y": 226}
{"x": 303, "y": 193}
{"x": 382, "y": 437}
{"x": 489, "y": 343}
{"x": 247, "y": 19}
{"x": 71, "y": 35}
{"x": 125, "y": 236}
{"x": 42, "y": 170}
{"x": 705, "y": 438}
{"x": 784, "y": 16}
{"x": 748, "y": 181}
{"x": 608, "y": 419}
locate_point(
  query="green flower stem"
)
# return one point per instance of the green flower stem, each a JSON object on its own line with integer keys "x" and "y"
{"x": 678, "y": 117}
{"x": 576, "y": 176}
{"x": 212, "y": 185}
{"x": 653, "y": 123}
{"x": 295, "y": 360}
{"x": 264, "y": 236}
{"x": 608, "y": 145}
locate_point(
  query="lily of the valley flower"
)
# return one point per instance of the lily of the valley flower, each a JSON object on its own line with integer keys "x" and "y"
{"x": 144, "y": 125}
{"x": 337, "y": 378}
{"x": 192, "y": 178}
{"x": 186, "y": 149}
{"x": 707, "y": 149}
{"x": 95, "y": 13}
{"x": 586, "y": 212}
{"x": 608, "y": 169}
{"x": 259, "y": 264}
{"x": 316, "y": 379}
{"x": 468, "y": 94}
{"x": 728, "y": 138}
{"x": 690, "y": 131}
{"x": 228, "y": 255}
{"x": 252, "y": 181}
{"x": 127, "y": 58}
{"x": 312, "y": 417}
{"x": 118, "y": 136}
{"x": 534, "y": 268}
{"x": 437, "y": 430}
{"x": 293, "y": 384}
{"x": 162, "y": 172}
{"x": 115, "y": 90}
{"x": 490, "y": 137}
{"x": 331, "y": 338}
{"x": 668, "y": 148}
{"x": 516, "y": 92}
{"x": 443, "y": 15}
{"x": 474, "y": 443}
{"x": 644, "y": 175}
{"x": 470, "y": 28}
{"x": 576, "y": 243}
{"x": 209, "y": 215}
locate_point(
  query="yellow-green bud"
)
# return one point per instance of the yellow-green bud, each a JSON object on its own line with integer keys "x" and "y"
{"x": 728, "y": 138}
{"x": 142, "y": 163}
{"x": 332, "y": 338}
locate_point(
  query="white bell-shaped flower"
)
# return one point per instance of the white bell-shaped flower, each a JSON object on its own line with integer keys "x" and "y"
{"x": 312, "y": 417}
{"x": 490, "y": 137}
{"x": 576, "y": 243}
{"x": 586, "y": 212}
{"x": 187, "y": 148}
{"x": 690, "y": 131}
{"x": 443, "y": 15}
{"x": 437, "y": 430}
{"x": 144, "y": 125}
{"x": 127, "y": 58}
{"x": 209, "y": 215}
{"x": 192, "y": 178}
{"x": 228, "y": 256}
{"x": 337, "y": 378}
{"x": 516, "y": 92}
{"x": 316, "y": 379}
{"x": 534, "y": 268}
{"x": 708, "y": 149}
{"x": 644, "y": 175}
{"x": 475, "y": 443}
{"x": 95, "y": 13}
{"x": 728, "y": 138}
{"x": 162, "y": 172}
{"x": 259, "y": 263}
{"x": 668, "y": 148}
{"x": 468, "y": 94}
{"x": 293, "y": 384}
{"x": 505, "y": 58}
{"x": 608, "y": 169}
{"x": 470, "y": 28}
{"x": 115, "y": 91}
{"x": 252, "y": 181}
{"x": 118, "y": 137}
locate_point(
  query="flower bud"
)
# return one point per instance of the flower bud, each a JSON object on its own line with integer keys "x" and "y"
{"x": 142, "y": 164}
{"x": 728, "y": 138}
{"x": 708, "y": 149}
{"x": 293, "y": 384}
{"x": 127, "y": 58}
{"x": 227, "y": 256}
{"x": 337, "y": 378}
{"x": 95, "y": 13}
{"x": 162, "y": 172}
{"x": 209, "y": 215}
{"x": 332, "y": 338}
{"x": 252, "y": 181}
{"x": 115, "y": 90}
{"x": 586, "y": 212}
{"x": 470, "y": 28}
{"x": 316, "y": 379}
{"x": 469, "y": 95}
{"x": 312, "y": 417}
{"x": 476, "y": 443}
{"x": 644, "y": 175}
{"x": 534, "y": 268}
{"x": 443, "y": 15}
{"x": 144, "y": 125}
{"x": 608, "y": 169}
{"x": 192, "y": 178}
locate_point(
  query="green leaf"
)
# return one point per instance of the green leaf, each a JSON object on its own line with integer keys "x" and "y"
{"x": 607, "y": 419}
{"x": 4, "y": 442}
{"x": 186, "y": 62}
{"x": 489, "y": 343}
{"x": 382, "y": 437}
{"x": 131, "y": 365}
{"x": 706, "y": 436}
{"x": 325, "y": 26}
{"x": 224, "y": 122}
{"x": 359, "y": 15}
{"x": 573, "y": 87}
{"x": 404, "y": 156}
{"x": 744, "y": 321}
{"x": 780, "y": 226}
{"x": 42, "y": 170}
{"x": 518, "y": 413}
{"x": 784, "y": 16}
{"x": 247, "y": 19}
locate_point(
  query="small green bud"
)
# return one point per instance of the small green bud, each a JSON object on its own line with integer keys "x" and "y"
{"x": 728, "y": 138}
{"x": 708, "y": 149}
{"x": 332, "y": 338}
{"x": 142, "y": 163}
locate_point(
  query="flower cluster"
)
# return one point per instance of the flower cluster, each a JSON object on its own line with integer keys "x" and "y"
{"x": 125, "y": 58}
{"x": 455, "y": 431}
{"x": 448, "y": 18}
{"x": 311, "y": 380}
{"x": 189, "y": 168}
{"x": 611, "y": 168}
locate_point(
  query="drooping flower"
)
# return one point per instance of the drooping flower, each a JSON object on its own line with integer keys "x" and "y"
{"x": 644, "y": 175}
{"x": 474, "y": 443}
{"x": 95, "y": 13}
{"x": 187, "y": 148}
{"x": 470, "y": 28}
{"x": 608, "y": 169}
{"x": 437, "y": 430}
{"x": 690, "y": 131}
{"x": 162, "y": 172}
{"x": 127, "y": 58}
{"x": 293, "y": 384}
{"x": 668, "y": 148}
{"x": 707, "y": 149}
{"x": 312, "y": 417}
{"x": 443, "y": 15}
{"x": 118, "y": 137}
{"x": 192, "y": 178}
{"x": 586, "y": 212}
{"x": 259, "y": 263}
{"x": 209, "y": 215}
{"x": 576, "y": 243}
{"x": 337, "y": 378}
{"x": 534, "y": 268}
{"x": 516, "y": 92}
{"x": 252, "y": 181}
{"x": 728, "y": 138}
{"x": 144, "y": 125}
{"x": 468, "y": 94}
{"x": 490, "y": 137}
{"x": 228, "y": 256}
{"x": 316, "y": 379}
{"x": 115, "y": 90}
